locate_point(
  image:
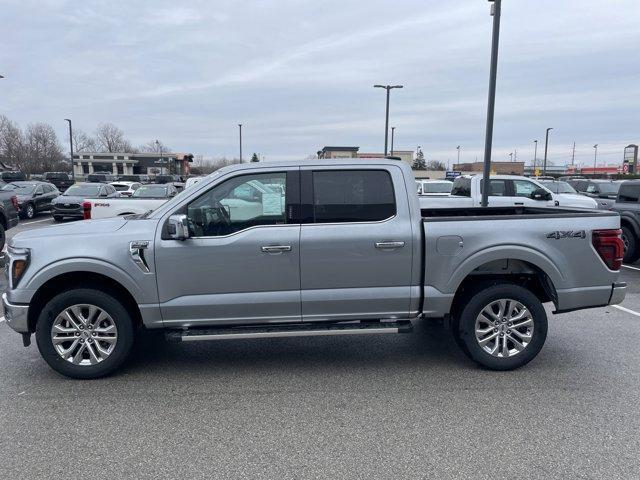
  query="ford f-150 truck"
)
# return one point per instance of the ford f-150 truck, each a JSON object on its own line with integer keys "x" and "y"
{"x": 335, "y": 247}
{"x": 504, "y": 190}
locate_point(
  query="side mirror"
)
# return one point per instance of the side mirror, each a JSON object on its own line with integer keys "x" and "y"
{"x": 541, "y": 194}
{"x": 178, "y": 227}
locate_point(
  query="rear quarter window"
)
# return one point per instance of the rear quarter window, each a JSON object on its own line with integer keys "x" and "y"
{"x": 461, "y": 187}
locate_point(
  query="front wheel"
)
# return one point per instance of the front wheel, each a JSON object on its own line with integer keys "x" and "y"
{"x": 84, "y": 333}
{"x": 503, "y": 326}
{"x": 30, "y": 211}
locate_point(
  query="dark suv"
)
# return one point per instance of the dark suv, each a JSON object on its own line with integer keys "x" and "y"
{"x": 603, "y": 191}
{"x": 628, "y": 206}
{"x": 60, "y": 179}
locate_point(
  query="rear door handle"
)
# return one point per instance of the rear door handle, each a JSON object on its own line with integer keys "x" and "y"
{"x": 276, "y": 248}
{"x": 389, "y": 245}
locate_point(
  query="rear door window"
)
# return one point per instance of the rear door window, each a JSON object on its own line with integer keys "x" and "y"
{"x": 498, "y": 188}
{"x": 352, "y": 196}
{"x": 629, "y": 193}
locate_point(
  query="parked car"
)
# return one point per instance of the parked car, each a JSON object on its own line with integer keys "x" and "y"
{"x": 627, "y": 204}
{"x": 505, "y": 190}
{"x": 356, "y": 256}
{"x": 126, "y": 189}
{"x": 136, "y": 177}
{"x": 145, "y": 198}
{"x": 167, "y": 179}
{"x": 564, "y": 191}
{"x": 61, "y": 180}
{"x": 69, "y": 204}
{"x": 12, "y": 176}
{"x": 32, "y": 197}
{"x": 9, "y": 217}
{"x": 434, "y": 188}
{"x": 604, "y": 192}
{"x": 100, "y": 177}
{"x": 191, "y": 181}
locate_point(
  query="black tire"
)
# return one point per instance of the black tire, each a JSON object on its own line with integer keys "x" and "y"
{"x": 630, "y": 241}
{"x": 477, "y": 301}
{"x": 29, "y": 210}
{"x": 120, "y": 316}
{"x": 3, "y": 236}
{"x": 57, "y": 218}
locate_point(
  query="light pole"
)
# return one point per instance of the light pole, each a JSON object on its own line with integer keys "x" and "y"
{"x": 388, "y": 88}
{"x": 159, "y": 147}
{"x": 546, "y": 150}
{"x": 240, "y": 128}
{"x": 496, "y": 6}
{"x": 393, "y": 131}
{"x": 595, "y": 158}
{"x": 458, "y": 148}
{"x": 73, "y": 172}
{"x": 535, "y": 156}
{"x": 511, "y": 157}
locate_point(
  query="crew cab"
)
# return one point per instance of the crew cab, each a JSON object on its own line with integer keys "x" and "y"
{"x": 342, "y": 248}
{"x": 504, "y": 190}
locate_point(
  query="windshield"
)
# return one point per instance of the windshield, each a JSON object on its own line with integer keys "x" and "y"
{"x": 82, "y": 191}
{"x": 559, "y": 187}
{"x": 439, "y": 187}
{"x": 609, "y": 188}
{"x": 20, "y": 188}
{"x": 151, "y": 191}
{"x": 120, "y": 187}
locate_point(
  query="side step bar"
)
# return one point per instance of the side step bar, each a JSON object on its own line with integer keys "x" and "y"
{"x": 289, "y": 330}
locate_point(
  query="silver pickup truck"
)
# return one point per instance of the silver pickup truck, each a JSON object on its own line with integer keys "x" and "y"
{"x": 329, "y": 248}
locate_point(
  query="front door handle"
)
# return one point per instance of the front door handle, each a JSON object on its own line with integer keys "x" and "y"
{"x": 518, "y": 203}
{"x": 389, "y": 245}
{"x": 276, "y": 248}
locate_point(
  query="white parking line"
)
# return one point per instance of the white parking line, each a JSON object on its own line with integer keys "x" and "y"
{"x": 37, "y": 221}
{"x": 632, "y": 268}
{"x": 627, "y": 310}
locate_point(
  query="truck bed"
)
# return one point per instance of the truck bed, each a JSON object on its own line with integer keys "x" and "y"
{"x": 489, "y": 213}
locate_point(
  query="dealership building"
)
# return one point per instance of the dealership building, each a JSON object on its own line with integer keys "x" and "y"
{"x": 85, "y": 163}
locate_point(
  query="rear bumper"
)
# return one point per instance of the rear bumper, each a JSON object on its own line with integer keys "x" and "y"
{"x": 618, "y": 292}
{"x": 16, "y": 315}
{"x": 67, "y": 212}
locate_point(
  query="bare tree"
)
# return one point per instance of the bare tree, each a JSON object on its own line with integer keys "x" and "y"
{"x": 153, "y": 147}
{"x": 13, "y": 149}
{"x": 43, "y": 147}
{"x": 111, "y": 139}
{"x": 83, "y": 142}
{"x": 436, "y": 165}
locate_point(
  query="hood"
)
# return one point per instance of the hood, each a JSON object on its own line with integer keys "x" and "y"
{"x": 575, "y": 200}
{"x": 68, "y": 199}
{"x": 82, "y": 227}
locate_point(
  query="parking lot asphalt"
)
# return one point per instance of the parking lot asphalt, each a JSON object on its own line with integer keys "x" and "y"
{"x": 402, "y": 406}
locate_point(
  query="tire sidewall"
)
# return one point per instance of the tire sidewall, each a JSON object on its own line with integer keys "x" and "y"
{"x": 481, "y": 299}
{"x": 630, "y": 254}
{"x": 33, "y": 211}
{"x": 109, "y": 304}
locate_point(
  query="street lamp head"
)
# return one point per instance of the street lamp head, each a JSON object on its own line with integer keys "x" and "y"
{"x": 379, "y": 86}
{"x": 595, "y": 146}
{"x": 396, "y": 86}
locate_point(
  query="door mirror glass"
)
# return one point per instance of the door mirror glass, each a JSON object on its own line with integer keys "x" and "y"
{"x": 178, "y": 227}
{"x": 540, "y": 194}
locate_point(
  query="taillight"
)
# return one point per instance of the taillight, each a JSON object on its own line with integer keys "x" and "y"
{"x": 14, "y": 201}
{"x": 86, "y": 210}
{"x": 608, "y": 244}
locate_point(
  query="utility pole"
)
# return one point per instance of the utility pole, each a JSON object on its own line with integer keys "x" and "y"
{"x": 535, "y": 156}
{"x": 515, "y": 154}
{"x": 546, "y": 149}
{"x": 573, "y": 153}
{"x": 496, "y": 6}
{"x": 388, "y": 88}
{"x": 458, "y": 148}
{"x": 73, "y": 172}
{"x": 240, "y": 127}
{"x": 393, "y": 131}
{"x": 595, "y": 159}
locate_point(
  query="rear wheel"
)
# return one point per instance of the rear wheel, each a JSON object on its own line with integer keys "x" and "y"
{"x": 630, "y": 241}
{"x": 30, "y": 210}
{"x": 84, "y": 333}
{"x": 502, "y": 327}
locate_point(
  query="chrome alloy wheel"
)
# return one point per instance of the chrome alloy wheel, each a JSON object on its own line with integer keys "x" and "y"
{"x": 504, "y": 328}
{"x": 84, "y": 334}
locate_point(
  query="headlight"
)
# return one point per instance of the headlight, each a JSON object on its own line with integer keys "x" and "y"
{"x": 18, "y": 263}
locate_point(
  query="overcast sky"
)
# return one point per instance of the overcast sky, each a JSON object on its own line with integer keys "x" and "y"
{"x": 299, "y": 74}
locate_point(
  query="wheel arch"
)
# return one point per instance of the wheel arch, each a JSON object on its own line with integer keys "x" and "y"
{"x": 81, "y": 279}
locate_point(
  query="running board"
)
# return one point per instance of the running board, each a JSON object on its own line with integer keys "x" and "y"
{"x": 289, "y": 330}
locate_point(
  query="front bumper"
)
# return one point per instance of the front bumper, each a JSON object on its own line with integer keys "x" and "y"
{"x": 16, "y": 315}
{"x": 618, "y": 293}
